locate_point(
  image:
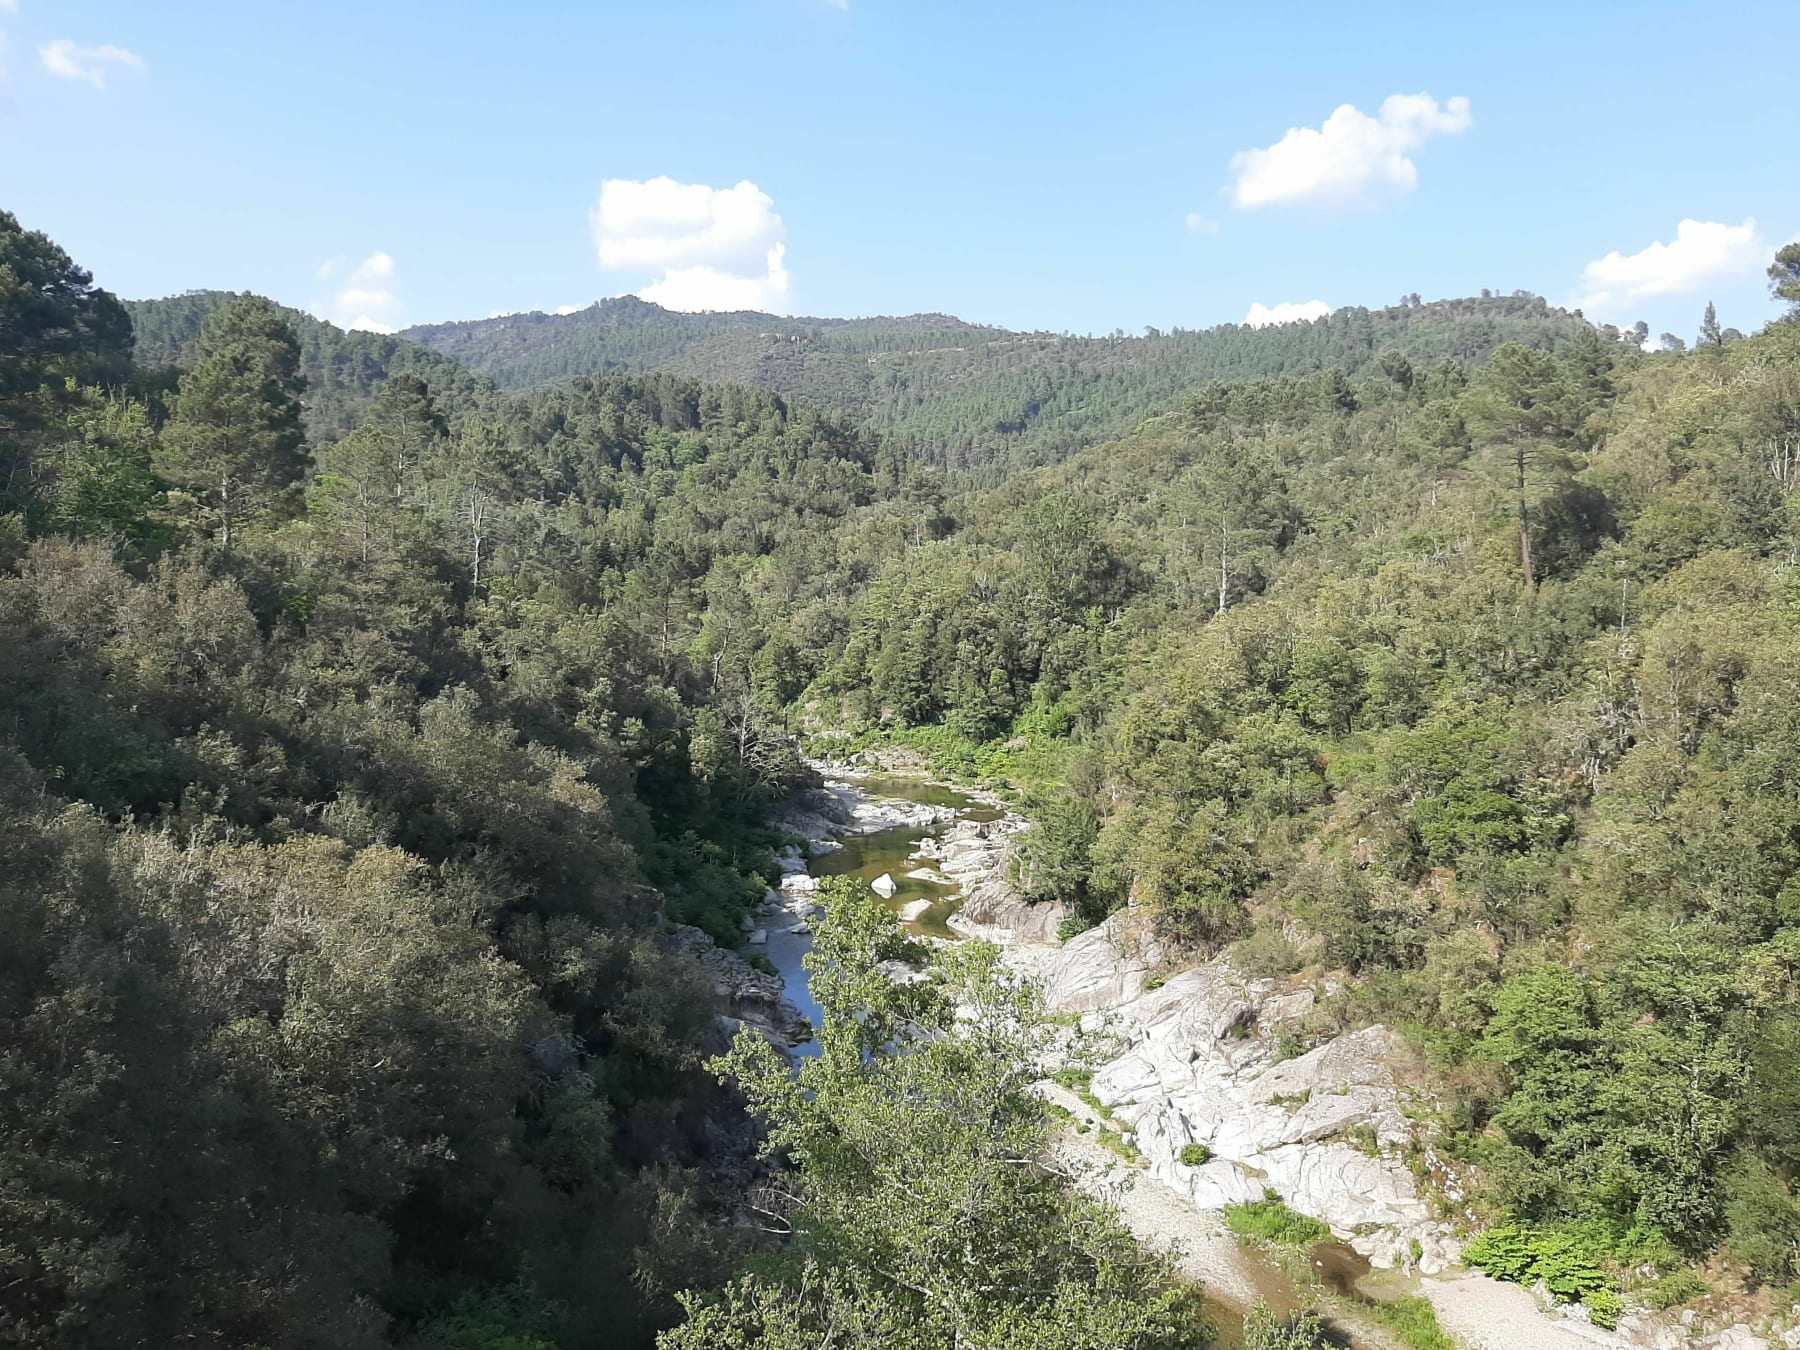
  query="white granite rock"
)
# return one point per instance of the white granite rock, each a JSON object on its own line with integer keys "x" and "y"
{"x": 1195, "y": 1061}
{"x": 883, "y": 885}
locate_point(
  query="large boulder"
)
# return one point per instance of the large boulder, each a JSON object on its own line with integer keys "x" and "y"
{"x": 740, "y": 990}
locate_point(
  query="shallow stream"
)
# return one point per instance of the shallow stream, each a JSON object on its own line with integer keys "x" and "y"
{"x": 866, "y": 857}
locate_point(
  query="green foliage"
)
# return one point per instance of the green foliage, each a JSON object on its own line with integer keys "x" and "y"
{"x": 235, "y": 438}
{"x": 965, "y": 395}
{"x": 1562, "y": 1261}
{"x": 920, "y": 1209}
{"x": 1264, "y": 1329}
{"x": 513, "y": 1318}
{"x": 1415, "y": 1321}
{"x": 1195, "y": 1155}
{"x": 1270, "y": 1220}
{"x": 1675, "y": 1288}
{"x": 342, "y": 370}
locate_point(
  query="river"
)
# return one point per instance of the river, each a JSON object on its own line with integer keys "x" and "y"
{"x": 867, "y": 857}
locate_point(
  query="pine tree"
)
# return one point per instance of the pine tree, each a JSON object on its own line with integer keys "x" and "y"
{"x": 1710, "y": 335}
{"x": 1784, "y": 276}
{"x": 236, "y": 438}
{"x": 56, "y": 326}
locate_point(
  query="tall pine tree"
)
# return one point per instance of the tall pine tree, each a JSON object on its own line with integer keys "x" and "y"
{"x": 236, "y": 438}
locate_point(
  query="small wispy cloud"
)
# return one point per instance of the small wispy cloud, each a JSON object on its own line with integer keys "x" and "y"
{"x": 1289, "y": 311}
{"x": 838, "y": 4}
{"x": 1201, "y": 225}
{"x": 10, "y": 6}
{"x": 1349, "y": 158}
{"x": 90, "y": 65}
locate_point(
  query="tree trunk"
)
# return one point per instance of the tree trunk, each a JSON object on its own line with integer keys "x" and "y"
{"x": 1524, "y": 524}
{"x": 1224, "y": 565}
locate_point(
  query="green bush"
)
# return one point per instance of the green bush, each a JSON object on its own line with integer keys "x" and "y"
{"x": 1270, "y": 1220}
{"x": 1605, "y": 1307}
{"x": 1195, "y": 1155}
{"x": 1265, "y": 1329}
{"x": 1416, "y": 1322}
{"x": 1678, "y": 1286}
{"x": 1525, "y": 1255}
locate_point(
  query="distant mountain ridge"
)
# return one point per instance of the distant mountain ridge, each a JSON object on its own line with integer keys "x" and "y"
{"x": 946, "y": 391}
{"x": 970, "y": 395}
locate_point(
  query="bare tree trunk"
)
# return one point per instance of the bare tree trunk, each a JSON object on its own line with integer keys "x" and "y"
{"x": 1224, "y": 565}
{"x": 1524, "y": 522}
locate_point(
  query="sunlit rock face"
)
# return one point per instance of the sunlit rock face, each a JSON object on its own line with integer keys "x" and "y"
{"x": 1197, "y": 1060}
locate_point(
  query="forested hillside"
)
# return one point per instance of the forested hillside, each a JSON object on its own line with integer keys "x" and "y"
{"x": 357, "y": 758}
{"x": 348, "y": 793}
{"x": 341, "y": 370}
{"x": 961, "y": 396}
{"x": 1474, "y": 688}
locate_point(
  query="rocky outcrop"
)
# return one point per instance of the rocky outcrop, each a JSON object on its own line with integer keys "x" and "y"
{"x": 1104, "y": 967}
{"x": 743, "y": 992}
{"x": 1196, "y": 1060}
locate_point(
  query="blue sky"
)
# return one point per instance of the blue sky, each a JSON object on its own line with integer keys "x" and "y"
{"x": 1030, "y": 164}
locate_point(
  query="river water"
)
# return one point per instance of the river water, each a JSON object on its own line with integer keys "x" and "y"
{"x": 867, "y": 857}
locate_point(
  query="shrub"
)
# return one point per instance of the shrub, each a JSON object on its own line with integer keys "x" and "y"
{"x": 1605, "y": 1307}
{"x": 1526, "y": 1255}
{"x": 1265, "y": 1329}
{"x": 1265, "y": 953}
{"x": 1195, "y": 1155}
{"x": 1415, "y": 1320}
{"x": 1678, "y": 1286}
{"x": 1270, "y": 1220}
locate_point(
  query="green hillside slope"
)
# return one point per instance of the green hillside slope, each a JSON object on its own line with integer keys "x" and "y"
{"x": 963, "y": 395}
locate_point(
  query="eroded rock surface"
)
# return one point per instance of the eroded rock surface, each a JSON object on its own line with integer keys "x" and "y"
{"x": 1196, "y": 1060}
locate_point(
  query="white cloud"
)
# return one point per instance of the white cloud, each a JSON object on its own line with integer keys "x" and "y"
{"x": 10, "y": 6}
{"x": 1702, "y": 252}
{"x": 370, "y": 300}
{"x": 65, "y": 60}
{"x": 839, "y": 4}
{"x": 568, "y": 309}
{"x": 1351, "y": 155}
{"x": 714, "y": 248}
{"x": 1202, "y": 225}
{"x": 1289, "y": 311}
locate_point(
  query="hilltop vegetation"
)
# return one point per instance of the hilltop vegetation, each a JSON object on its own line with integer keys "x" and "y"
{"x": 1286, "y": 678}
{"x": 962, "y": 396}
{"x": 346, "y": 793}
{"x": 341, "y": 370}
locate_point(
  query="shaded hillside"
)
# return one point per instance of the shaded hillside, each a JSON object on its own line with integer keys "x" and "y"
{"x": 969, "y": 396}
{"x": 342, "y": 369}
